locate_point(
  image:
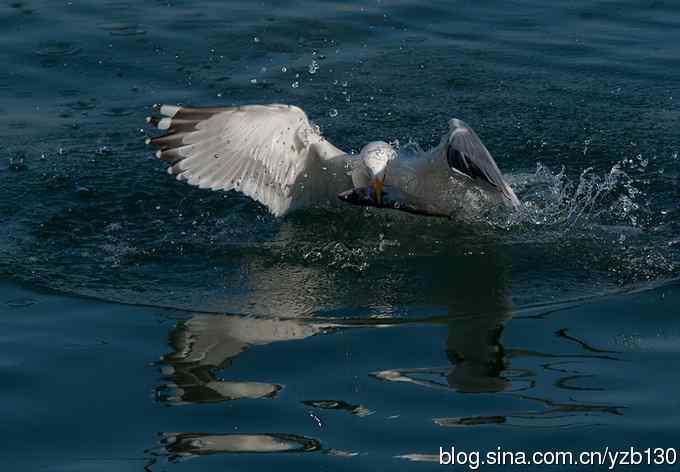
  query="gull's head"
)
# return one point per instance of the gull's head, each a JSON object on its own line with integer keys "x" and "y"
{"x": 376, "y": 156}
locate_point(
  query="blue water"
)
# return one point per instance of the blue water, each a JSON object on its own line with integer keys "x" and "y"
{"x": 145, "y": 323}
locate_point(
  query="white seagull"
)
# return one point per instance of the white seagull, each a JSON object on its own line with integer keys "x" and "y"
{"x": 273, "y": 154}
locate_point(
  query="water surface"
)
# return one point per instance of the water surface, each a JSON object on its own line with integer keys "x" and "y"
{"x": 145, "y": 322}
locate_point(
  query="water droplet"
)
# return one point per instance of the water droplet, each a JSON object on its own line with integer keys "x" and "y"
{"x": 284, "y": 69}
{"x": 253, "y": 81}
{"x": 295, "y": 84}
{"x": 332, "y": 112}
{"x": 313, "y": 67}
{"x": 17, "y": 164}
{"x": 256, "y": 39}
{"x": 586, "y": 144}
{"x": 103, "y": 151}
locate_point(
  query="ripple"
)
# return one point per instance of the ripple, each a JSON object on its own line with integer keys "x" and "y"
{"x": 21, "y": 302}
{"x": 18, "y": 124}
{"x": 183, "y": 445}
{"x": 206, "y": 344}
{"x": 123, "y": 29}
{"x": 356, "y": 410}
{"x": 555, "y": 414}
{"x": 81, "y": 105}
{"x": 57, "y": 49}
{"x": 22, "y": 7}
{"x": 470, "y": 421}
{"x": 118, "y": 111}
{"x": 70, "y": 92}
{"x": 418, "y": 457}
{"x": 196, "y": 391}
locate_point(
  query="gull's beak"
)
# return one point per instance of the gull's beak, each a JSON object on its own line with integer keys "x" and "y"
{"x": 378, "y": 183}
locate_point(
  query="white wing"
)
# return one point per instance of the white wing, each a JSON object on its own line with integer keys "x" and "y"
{"x": 269, "y": 152}
{"x": 467, "y": 155}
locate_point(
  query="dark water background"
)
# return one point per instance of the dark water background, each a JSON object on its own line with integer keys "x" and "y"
{"x": 347, "y": 338}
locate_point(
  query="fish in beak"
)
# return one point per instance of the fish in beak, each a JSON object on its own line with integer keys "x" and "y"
{"x": 390, "y": 197}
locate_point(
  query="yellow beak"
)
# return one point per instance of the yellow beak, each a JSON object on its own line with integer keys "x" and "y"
{"x": 378, "y": 185}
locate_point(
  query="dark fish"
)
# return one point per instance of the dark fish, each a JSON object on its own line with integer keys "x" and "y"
{"x": 392, "y": 198}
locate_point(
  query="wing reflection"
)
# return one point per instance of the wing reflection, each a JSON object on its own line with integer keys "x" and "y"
{"x": 178, "y": 446}
{"x": 206, "y": 344}
{"x": 356, "y": 410}
{"x": 554, "y": 415}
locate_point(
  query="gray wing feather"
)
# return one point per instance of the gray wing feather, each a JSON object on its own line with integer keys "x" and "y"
{"x": 467, "y": 155}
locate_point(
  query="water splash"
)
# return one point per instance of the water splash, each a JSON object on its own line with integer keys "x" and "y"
{"x": 161, "y": 243}
{"x": 555, "y": 200}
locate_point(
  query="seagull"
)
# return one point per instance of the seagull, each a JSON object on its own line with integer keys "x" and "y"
{"x": 276, "y": 156}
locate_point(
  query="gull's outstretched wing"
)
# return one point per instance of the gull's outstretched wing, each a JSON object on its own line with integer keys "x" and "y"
{"x": 270, "y": 153}
{"x": 467, "y": 155}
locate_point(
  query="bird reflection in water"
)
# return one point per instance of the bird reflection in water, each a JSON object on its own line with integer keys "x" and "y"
{"x": 203, "y": 346}
{"x": 180, "y": 445}
{"x": 479, "y": 307}
{"x": 207, "y": 343}
{"x": 474, "y": 288}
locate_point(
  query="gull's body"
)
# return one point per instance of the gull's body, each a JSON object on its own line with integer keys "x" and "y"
{"x": 273, "y": 154}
